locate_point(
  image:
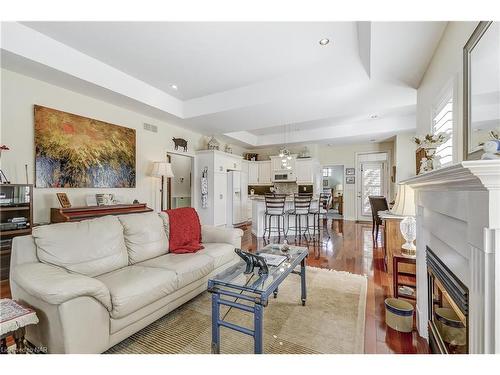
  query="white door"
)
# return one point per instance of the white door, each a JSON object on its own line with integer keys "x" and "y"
{"x": 253, "y": 173}
{"x": 372, "y": 182}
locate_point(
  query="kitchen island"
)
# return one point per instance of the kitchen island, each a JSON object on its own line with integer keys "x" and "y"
{"x": 259, "y": 208}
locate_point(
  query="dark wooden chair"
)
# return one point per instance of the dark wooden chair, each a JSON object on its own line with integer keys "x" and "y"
{"x": 377, "y": 203}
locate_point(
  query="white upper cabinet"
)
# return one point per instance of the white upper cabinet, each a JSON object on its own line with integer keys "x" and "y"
{"x": 264, "y": 172}
{"x": 276, "y": 163}
{"x": 304, "y": 170}
{"x": 225, "y": 162}
{"x": 253, "y": 173}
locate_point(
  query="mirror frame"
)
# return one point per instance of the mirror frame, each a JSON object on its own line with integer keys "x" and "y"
{"x": 469, "y": 152}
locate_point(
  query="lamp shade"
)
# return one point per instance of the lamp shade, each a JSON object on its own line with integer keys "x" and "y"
{"x": 405, "y": 201}
{"x": 162, "y": 168}
{"x": 339, "y": 187}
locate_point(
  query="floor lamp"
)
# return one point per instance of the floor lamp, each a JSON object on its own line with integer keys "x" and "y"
{"x": 162, "y": 169}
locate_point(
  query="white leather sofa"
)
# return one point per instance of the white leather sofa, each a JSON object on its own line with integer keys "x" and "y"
{"x": 96, "y": 282}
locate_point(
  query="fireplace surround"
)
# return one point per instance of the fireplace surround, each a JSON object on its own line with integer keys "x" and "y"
{"x": 448, "y": 308}
{"x": 458, "y": 220}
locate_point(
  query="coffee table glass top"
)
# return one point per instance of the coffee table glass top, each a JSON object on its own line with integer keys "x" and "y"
{"x": 235, "y": 277}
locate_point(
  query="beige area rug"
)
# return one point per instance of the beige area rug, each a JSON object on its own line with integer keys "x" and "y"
{"x": 333, "y": 321}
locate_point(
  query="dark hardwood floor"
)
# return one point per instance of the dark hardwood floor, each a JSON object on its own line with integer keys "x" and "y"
{"x": 351, "y": 248}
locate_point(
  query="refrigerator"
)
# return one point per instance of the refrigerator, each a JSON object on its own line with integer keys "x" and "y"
{"x": 234, "y": 212}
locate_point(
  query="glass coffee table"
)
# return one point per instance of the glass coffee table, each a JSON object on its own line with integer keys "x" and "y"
{"x": 233, "y": 285}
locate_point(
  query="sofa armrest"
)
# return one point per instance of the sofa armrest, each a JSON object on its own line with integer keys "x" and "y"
{"x": 55, "y": 285}
{"x": 210, "y": 233}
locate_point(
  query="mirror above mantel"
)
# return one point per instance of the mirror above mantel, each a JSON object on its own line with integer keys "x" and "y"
{"x": 481, "y": 88}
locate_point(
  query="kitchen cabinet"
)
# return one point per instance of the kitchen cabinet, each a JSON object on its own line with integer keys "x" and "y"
{"x": 304, "y": 171}
{"x": 253, "y": 173}
{"x": 259, "y": 172}
{"x": 220, "y": 198}
{"x": 276, "y": 163}
{"x": 226, "y": 162}
{"x": 264, "y": 172}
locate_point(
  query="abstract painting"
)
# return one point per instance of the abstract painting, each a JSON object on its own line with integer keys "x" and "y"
{"x": 72, "y": 151}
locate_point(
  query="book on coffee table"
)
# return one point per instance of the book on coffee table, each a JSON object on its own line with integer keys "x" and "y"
{"x": 272, "y": 259}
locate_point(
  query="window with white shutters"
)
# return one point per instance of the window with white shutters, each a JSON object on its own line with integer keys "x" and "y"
{"x": 442, "y": 122}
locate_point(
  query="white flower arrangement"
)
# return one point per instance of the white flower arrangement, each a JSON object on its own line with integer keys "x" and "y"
{"x": 431, "y": 140}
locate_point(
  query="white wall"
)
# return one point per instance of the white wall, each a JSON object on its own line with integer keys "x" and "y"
{"x": 404, "y": 156}
{"x": 346, "y": 156}
{"x": 445, "y": 68}
{"x": 20, "y": 93}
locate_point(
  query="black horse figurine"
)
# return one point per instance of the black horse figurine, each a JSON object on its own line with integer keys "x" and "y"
{"x": 252, "y": 261}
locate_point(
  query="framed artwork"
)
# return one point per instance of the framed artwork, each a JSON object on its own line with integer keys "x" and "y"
{"x": 325, "y": 183}
{"x": 72, "y": 151}
{"x": 63, "y": 200}
{"x": 350, "y": 171}
{"x": 350, "y": 180}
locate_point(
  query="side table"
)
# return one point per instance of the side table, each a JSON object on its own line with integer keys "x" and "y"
{"x": 408, "y": 279}
{"x": 13, "y": 318}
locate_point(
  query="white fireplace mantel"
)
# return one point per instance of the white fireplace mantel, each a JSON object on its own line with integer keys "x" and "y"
{"x": 458, "y": 217}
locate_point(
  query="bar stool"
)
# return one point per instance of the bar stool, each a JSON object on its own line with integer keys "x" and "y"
{"x": 301, "y": 208}
{"x": 321, "y": 213}
{"x": 275, "y": 207}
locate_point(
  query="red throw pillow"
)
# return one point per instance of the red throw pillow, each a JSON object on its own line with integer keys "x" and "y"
{"x": 184, "y": 230}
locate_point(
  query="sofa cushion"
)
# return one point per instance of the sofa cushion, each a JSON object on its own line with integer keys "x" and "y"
{"x": 145, "y": 236}
{"x": 89, "y": 247}
{"x": 188, "y": 267}
{"x": 221, "y": 253}
{"x": 134, "y": 287}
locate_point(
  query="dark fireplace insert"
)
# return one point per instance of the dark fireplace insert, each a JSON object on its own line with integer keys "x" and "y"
{"x": 448, "y": 323}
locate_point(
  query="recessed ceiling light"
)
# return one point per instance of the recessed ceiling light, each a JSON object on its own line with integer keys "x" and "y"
{"x": 373, "y": 116}
{"x": 324, "y": 41}
{"x": 174, "y": 87}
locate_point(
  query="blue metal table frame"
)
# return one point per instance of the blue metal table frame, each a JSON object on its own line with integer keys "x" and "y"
{"x": 258, "y": 300}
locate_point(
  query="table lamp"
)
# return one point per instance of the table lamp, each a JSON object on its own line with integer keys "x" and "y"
{"x": 405, "y": 206}
{"x": 162, "y": 169}
{"x": 339, "y": 188}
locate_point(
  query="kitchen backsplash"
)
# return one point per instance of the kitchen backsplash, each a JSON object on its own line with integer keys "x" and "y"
{"x": 289, "y": 188}
{"x": 259, "y": 190}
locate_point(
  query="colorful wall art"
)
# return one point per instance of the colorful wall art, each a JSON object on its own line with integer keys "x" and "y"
{"x": 73, "y": 151}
